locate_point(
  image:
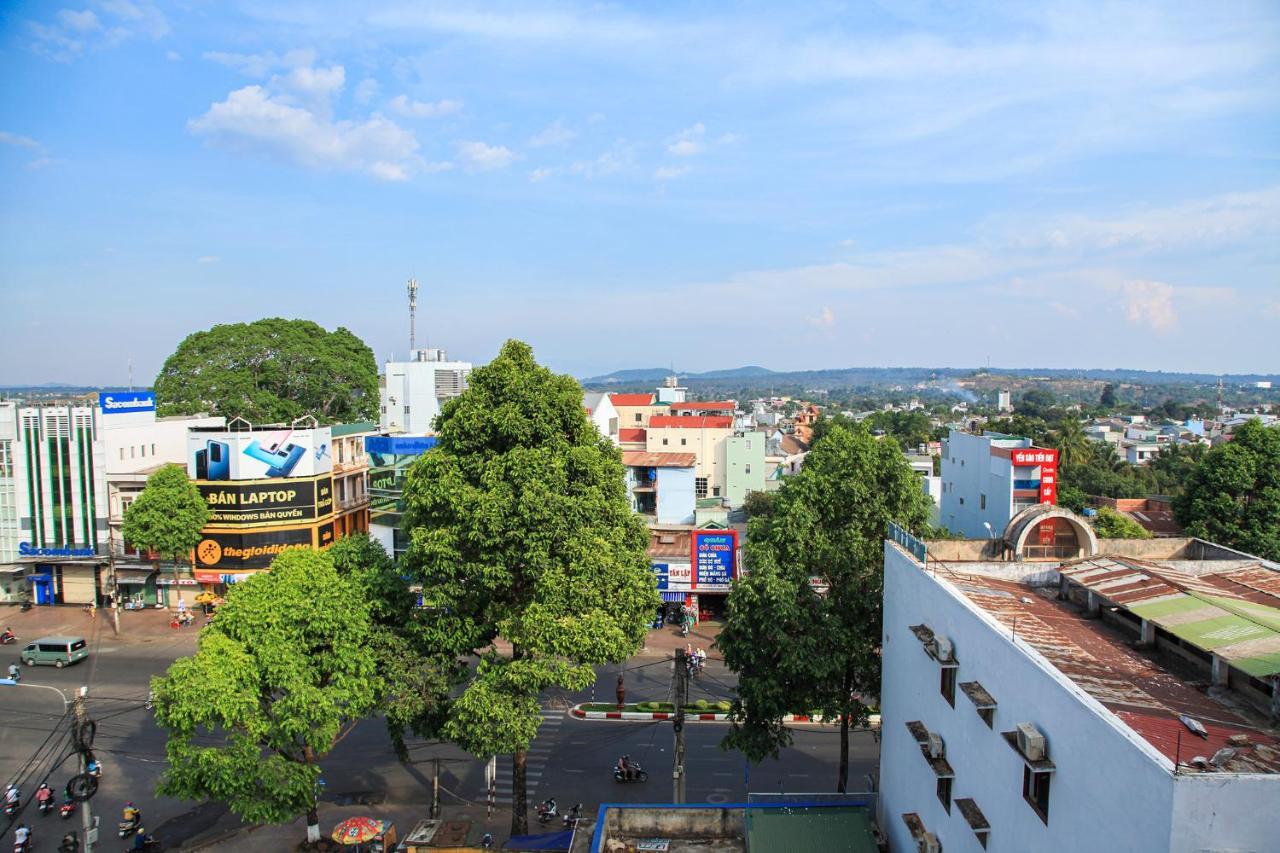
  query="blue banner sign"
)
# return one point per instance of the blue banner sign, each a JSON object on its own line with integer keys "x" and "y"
{"x": 126, "y": 402}
{"x": 714, "y": 559}
{"x": 662, "y": 572}
{"x": 399, "y": 445}
{"x": 26, "y": 549}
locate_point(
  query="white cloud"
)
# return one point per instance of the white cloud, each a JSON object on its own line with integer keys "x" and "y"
{"x": 82, "y": 22}
{"x": 825, "y": 320}
{"x": 688, "y": 142}
{"x": 553, "y": 134}
{"x": 262, "y": 64}
{"x": 666, "y": 173}
{"x": 173, "y": 56}
{"x": 208, "y": 259}
{"x": 252, "y": 118}
{"x": 365, "y": 91}
{"x": 540, "y": 174}
{"x": 405, "y": 106}
{"x": 481, "y": 157}
{"x": 1150, "y": 304}
{"x": 619, "y": 158}
{"x": 18, "y": 140}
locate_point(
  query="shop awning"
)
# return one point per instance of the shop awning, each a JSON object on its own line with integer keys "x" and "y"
{"x": 673, "y": 596}
{"x": 134, "y": 576}
{"x": 12, "y": 570}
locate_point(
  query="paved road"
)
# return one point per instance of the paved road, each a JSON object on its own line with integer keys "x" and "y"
{"x": 570, "y": 760}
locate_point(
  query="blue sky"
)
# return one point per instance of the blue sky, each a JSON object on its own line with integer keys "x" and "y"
{"x": 897, "y": 183}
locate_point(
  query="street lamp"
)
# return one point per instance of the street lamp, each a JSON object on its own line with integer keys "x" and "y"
{"x": 991, "y": 534}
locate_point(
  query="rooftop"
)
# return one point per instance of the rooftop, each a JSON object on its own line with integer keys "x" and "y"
{"x": 1144, "y": 691}
{"x": 717, "y": 406}
{"x": 339, "y": 430}
{"x": 631, "y": 434}
{"x": 642, "y": 459}
{"x": 631, "y": 399}
{"x": 691, "y": 421}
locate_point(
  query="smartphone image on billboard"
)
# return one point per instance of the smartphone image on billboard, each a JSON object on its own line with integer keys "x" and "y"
{"x": 202, "y": 464}
{"x": 219, "y": 461}
{"x": 281, "y": 462}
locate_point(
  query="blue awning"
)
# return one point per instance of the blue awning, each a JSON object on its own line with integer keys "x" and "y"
{"x": 673, "y": 596}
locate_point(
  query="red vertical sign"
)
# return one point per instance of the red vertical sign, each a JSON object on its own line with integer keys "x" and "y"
{"x": 1047, "y": 460}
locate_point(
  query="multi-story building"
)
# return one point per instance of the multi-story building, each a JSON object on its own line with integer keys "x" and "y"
{"x": 389, "y": 459}
{"x": 601, "y": 412}
{"x": 351, "y": 478}
{"x": 988, "y": 479}
{"x": 661, "y": 486}
{"x": 1062, "y": 706}
{"x": 633, "y": 410}
{"x": 12, "y": 584}
{"x": 744, "y": 465}
{"x": 413, "y": 391}
{"x": 702, "y": 435}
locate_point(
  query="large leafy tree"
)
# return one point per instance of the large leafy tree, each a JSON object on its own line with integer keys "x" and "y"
{"x": 277, "y": 681}
{"x": 521, "y": 530}
{"x": 803, "y": 627}
{"x": 167, "y": 516}
{"x": 1109, "y": 524}
{"x": 1233, "y": 496}
{"x": 271, "y": 371}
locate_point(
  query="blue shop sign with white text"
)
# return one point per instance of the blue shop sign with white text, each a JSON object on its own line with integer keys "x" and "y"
{"x": 126, "y": 402}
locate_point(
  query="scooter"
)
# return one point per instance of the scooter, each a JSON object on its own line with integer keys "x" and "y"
{"x": 571, "y": 819}
{"x": 45, "y": 806}
{"x": 7, "y": 637}
{"x": 128, "y": 828}
{"x": 26, "y": 605}
{"x": 637, "y": 775}
{"x": 11, "y": 808}
{"x": 67, "y": 809}
{"x": 22, "y": 839}
{"x": 547, "y": 811}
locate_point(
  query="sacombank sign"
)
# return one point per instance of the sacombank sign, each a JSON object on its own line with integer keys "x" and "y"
{"x": 126, "y": 402}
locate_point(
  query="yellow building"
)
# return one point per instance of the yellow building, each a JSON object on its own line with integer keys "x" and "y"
{"x": 702, "y": 435}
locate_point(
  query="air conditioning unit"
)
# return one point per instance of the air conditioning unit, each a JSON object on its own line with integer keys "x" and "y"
{"x": 943, "y": 648}
{"x": 1030, "y": 742}
{"x": 928, "y": 843}
{"x": 936, "y": 746}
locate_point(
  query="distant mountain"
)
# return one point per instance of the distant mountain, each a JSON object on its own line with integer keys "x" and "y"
{"x": 657, "y": 374}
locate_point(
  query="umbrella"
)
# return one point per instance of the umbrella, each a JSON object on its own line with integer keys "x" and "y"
{"x": 357, "y": 830}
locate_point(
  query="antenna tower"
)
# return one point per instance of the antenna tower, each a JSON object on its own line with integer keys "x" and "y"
{"x": 413, "y": 307}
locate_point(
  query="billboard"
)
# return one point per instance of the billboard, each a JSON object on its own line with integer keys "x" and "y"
{"x": 259, "y": 454}
{"x": 229, "y": 550}
{"x": 715, "y": 559}
{"x": 126, "y": 402}
{"x": 259, "y": 503}
{"x": 1047, "y": 460}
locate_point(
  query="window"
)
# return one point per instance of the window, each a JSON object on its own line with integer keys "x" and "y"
{"x": 700, "y": 487}
{"x": 132, "y": 451}
{"x": 122, "y": 454}
{"x": 949, "y": 684}
{"x": 944, "y": 793}
{"x": 684, "y": 441}
{"x": 153, "y": 450}
{"x": 406, "y": 410}
{"x": 982, "y": 501}
{"x": 715, "y": 492}
{"x": 747, "y": 469}
{"x": 1035, "y": 790}
{"x": 639, "y": 417}
{"x": 664, "y": 442}
{"x": 962, "y": 502}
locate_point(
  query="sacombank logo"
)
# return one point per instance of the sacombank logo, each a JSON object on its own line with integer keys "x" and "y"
{"x": 120, "y": 402}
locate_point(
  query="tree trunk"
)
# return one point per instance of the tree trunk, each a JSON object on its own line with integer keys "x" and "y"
{"x": 843, "y": 780}
{"x": 519, "y": 808}
{"x": 313, "y": 825}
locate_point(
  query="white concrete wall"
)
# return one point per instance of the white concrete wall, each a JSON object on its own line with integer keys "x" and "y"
{"x": 412, "y": 384}
{"x": 676, "y": 502}
{"x": 1225, "y": 812}
{"x": 974, "y": 473}
{"x": 139, "y": 446}
{"x": 1112, "y": 791}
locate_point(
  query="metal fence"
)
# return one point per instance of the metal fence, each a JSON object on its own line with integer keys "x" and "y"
{"x": 913, "y": 545}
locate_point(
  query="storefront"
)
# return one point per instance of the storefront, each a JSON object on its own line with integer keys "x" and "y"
{"x": 135, "y": 587}
{"x": 67, "y": 582}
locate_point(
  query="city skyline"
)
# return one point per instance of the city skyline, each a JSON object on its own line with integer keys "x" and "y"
{"x": 1064, "y": 185}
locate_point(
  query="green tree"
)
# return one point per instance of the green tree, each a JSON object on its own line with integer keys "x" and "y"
{"x": 271, "y": 371}
{"x": 1071, "y": 441}
{"x": 167, "y": 516}
{"x": 796, "y": 650}
{"x": 1109, "y": 524}
{"x": 1107, "y": 399}
{"x": 276, "y": 682}
{"x": 521, "y": 529}
{"x": 1233, "y": 496}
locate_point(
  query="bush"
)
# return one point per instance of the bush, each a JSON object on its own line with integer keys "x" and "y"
{"x": 724, "y": 707}
{"x": 701, "y": 704}
{"x": 1109, "y": 524}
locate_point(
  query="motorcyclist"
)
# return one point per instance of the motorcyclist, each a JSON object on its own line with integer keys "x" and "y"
{"x": 14, "y": 673}
{"x": 7, "y": 635}
{"x": 140, "y": 839}
{"x": 22, "y": 835}
{"x": 70, "y": 844}
{"x": 548, "y": 806}
{"x": 624, "y": 764}
{"x": 132, "y": 818}
{"x": 12, "y": 795}
{"x": 43, "y": 794}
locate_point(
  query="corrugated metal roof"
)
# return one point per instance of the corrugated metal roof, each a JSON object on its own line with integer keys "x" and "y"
{"x": 631, "y": 399}
{"x": 643, "y": 459}
{"x": 691, "y": 422}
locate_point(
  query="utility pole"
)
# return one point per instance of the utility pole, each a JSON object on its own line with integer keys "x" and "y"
{"x": 413, "y": 307}
{"x": 435, "y": 790}
{"x": 86, "y": 812}
{"x": 682, "y": 696}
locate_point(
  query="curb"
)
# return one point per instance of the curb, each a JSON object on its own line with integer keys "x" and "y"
{"x": 582, "y": 714}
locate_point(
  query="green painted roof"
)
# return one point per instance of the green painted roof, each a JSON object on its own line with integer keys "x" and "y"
{"x": 339, "y": 430}
{"x": 1245, "y": 634}
{"x": 844, "y": 829}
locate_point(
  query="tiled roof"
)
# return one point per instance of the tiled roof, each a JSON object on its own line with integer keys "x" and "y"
{"x": 630, "y": 434}
{"x": 1139, "y": 690}
{"x": 691, "y": 422}
{"x": 642, "y": 459}
{"x": 631, "y": 399}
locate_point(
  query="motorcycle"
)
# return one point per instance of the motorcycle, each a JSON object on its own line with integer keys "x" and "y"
{"x": 22, "y": 839}
{"x": 547, "y": 811}
{"x": 636, "y": 774}
{"x": 26, "y": 605}
{"x": 70, "y": 844}
{"x": 45, "y": 806}
{"x": 11, "y": 807}
{"x": 128, "y": 828}
{"x": 67, "y": 809}
{"x": 571, "y": 819}
{"x": 7, "y": 637}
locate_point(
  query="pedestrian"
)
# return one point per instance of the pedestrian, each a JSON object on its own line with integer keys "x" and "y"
{"x": 621, "y": 693}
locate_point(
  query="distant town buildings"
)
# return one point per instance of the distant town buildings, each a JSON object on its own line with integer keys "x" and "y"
{"x": 988, "y": 479}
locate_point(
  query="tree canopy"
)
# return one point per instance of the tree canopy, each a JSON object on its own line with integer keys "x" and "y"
{"x": 279, "y": 678}
{"x": 271, "y": 371}
{"x": 797, "y": 649}
{"x": 521, "y": 530}
{"x": 1232, "y": 497}
{"x": 168, "y": 515}
{"x": 1109, "y": 524}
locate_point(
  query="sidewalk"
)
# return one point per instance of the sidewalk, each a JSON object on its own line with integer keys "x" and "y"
{"x": 663, "y": 642}
{"x": 50, "y": 620}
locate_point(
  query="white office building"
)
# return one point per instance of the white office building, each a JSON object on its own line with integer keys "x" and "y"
{"x": 413, "y": 391}
{"x": 988, "y": 479}
{"x": 1026, "y": 706}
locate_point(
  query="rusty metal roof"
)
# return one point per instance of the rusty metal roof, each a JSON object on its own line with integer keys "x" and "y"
{"x": 1139, "y": 690}
{"x": 644, "y": 459}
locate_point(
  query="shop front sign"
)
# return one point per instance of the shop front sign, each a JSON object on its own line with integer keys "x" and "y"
{"x": 714, "y": 559}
